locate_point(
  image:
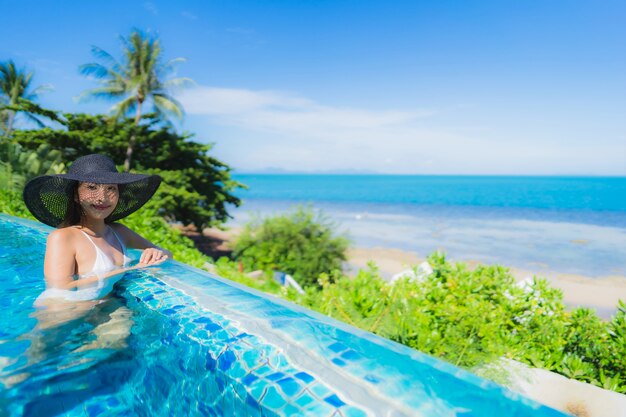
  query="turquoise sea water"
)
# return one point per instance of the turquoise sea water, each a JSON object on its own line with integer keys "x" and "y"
{"x": 565, "y": 224}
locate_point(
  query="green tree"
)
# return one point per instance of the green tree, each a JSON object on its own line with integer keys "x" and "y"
{"x": 18, "y": 95}
{"x": 137, "y": 80}
{"x": 302, "y": 244}
{"x": 197, "y": 187}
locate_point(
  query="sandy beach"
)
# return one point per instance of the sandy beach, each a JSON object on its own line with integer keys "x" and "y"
{"x": 600, "y": 293}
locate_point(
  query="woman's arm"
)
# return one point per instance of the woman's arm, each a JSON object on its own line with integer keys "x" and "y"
{"x": 151, "y": 253}
{"x": 59, "y": 264}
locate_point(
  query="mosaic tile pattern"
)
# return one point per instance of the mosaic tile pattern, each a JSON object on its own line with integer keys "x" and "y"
{"x": 259, "y": 373}
{"x": 202, "y": 345}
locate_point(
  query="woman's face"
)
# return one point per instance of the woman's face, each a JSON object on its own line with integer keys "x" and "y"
{"x": 97, "y": 200}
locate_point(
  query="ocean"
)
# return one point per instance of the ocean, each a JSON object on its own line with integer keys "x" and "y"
{"x": 574, "y": 225}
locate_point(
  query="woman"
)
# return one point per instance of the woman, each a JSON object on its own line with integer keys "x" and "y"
{"x": 86, "y": 255}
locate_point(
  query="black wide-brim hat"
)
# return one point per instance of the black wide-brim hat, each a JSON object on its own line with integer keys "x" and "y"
{"x": 48, "y": 197}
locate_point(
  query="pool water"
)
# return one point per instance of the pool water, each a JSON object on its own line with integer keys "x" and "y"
{"x": 174, "y": 340}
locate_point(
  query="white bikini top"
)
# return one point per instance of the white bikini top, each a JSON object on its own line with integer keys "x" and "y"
{"x": 101, "y": 266}
{"x": 103, "y": 263}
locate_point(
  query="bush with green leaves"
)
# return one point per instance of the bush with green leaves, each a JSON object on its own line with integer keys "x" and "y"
{"x": 301, "y": 243}
{"x": 18, "y": 165}
{"x": 472, "y": 317}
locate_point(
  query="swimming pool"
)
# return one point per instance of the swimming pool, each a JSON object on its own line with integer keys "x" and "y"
{"x": 175, "y": 340}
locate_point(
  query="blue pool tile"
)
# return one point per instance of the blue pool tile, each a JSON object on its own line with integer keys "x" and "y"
{"x": 275, "y": 376}
{"x": 220, "y": 381}
{"x": 212, "y": 327}
{"x": 225, "y": 360}
{"x": 251, "y": 358}
{"x": 303, "y": 376}
{"x": 319, "y": 390}
{"x": 237, "y": 371}
{"x": 273, "y": 399}
{"x": 258, "y": 390}
{"x": 353, "y": 412}
{"x": 372, "y": 379}
{"x": 252, "y": 402}
{"x": 249, "y": 379}
{"x": 203, "y": 320}
{"x": 337, "y": 347}
{"x": 334, "y": 400}
{"x": 263, "y": 370}
{"x": 291, "y": 410}
{"x": 210, "y": 363}
{"x": 289, "y": 386}
{"x": 351, "y": 355}
{"x": 338, "y": 362}
{"x": 304, "y": 400}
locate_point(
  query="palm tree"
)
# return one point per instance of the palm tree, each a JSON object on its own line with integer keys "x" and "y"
{"x": 137, "y": 80}
{"x": 16, "y": 96}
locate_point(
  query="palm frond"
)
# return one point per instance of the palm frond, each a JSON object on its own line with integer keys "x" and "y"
{"x": 106, "y": 57}
{"x": 124, "y": 107}
{"x": 17, "y": 96}
{"x": 168, "y": 105}
{"x": 178, "y": 83}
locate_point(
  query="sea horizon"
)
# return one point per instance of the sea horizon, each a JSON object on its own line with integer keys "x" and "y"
{"x": 573, "y": 225}
{"x": 359, "y": 173}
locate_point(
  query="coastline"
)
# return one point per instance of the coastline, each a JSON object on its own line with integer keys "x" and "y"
{"x": 598, "y": 293}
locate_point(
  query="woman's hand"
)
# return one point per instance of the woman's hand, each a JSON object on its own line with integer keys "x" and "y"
{"x": 152, "y": 256}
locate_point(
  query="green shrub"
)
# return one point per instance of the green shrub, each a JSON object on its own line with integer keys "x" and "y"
{"x": 11, "y": 203}
{"x": 18, "y": 165}
{"x": 473, "y": 317}
{"x": 300, "y": 243}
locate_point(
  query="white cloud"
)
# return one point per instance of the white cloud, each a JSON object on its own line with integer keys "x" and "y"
{"x": 260, "y": 129}
{"x": 289, "y": 113}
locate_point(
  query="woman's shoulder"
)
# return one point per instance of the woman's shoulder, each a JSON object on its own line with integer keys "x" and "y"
{"x": 64, "y": 237}
{"x": 63, "y": 233}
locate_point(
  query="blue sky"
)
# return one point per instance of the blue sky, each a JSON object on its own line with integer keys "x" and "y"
{"x": 410, "y": 87}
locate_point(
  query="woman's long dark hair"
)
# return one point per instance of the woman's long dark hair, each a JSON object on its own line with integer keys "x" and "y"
{"x": 74, "y": 211}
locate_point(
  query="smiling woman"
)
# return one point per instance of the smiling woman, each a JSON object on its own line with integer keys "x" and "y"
{"x": 86, "y": 255}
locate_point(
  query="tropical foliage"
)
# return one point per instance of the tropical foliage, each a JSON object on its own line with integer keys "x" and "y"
{"x": 301, "y": 243}
{"x": 197, "y": 188}
{"x": 473, "y": 317}
{"x": 17, "y": 95}
{"x": 18, "y": 165}
{"x": 138, "y": 79}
